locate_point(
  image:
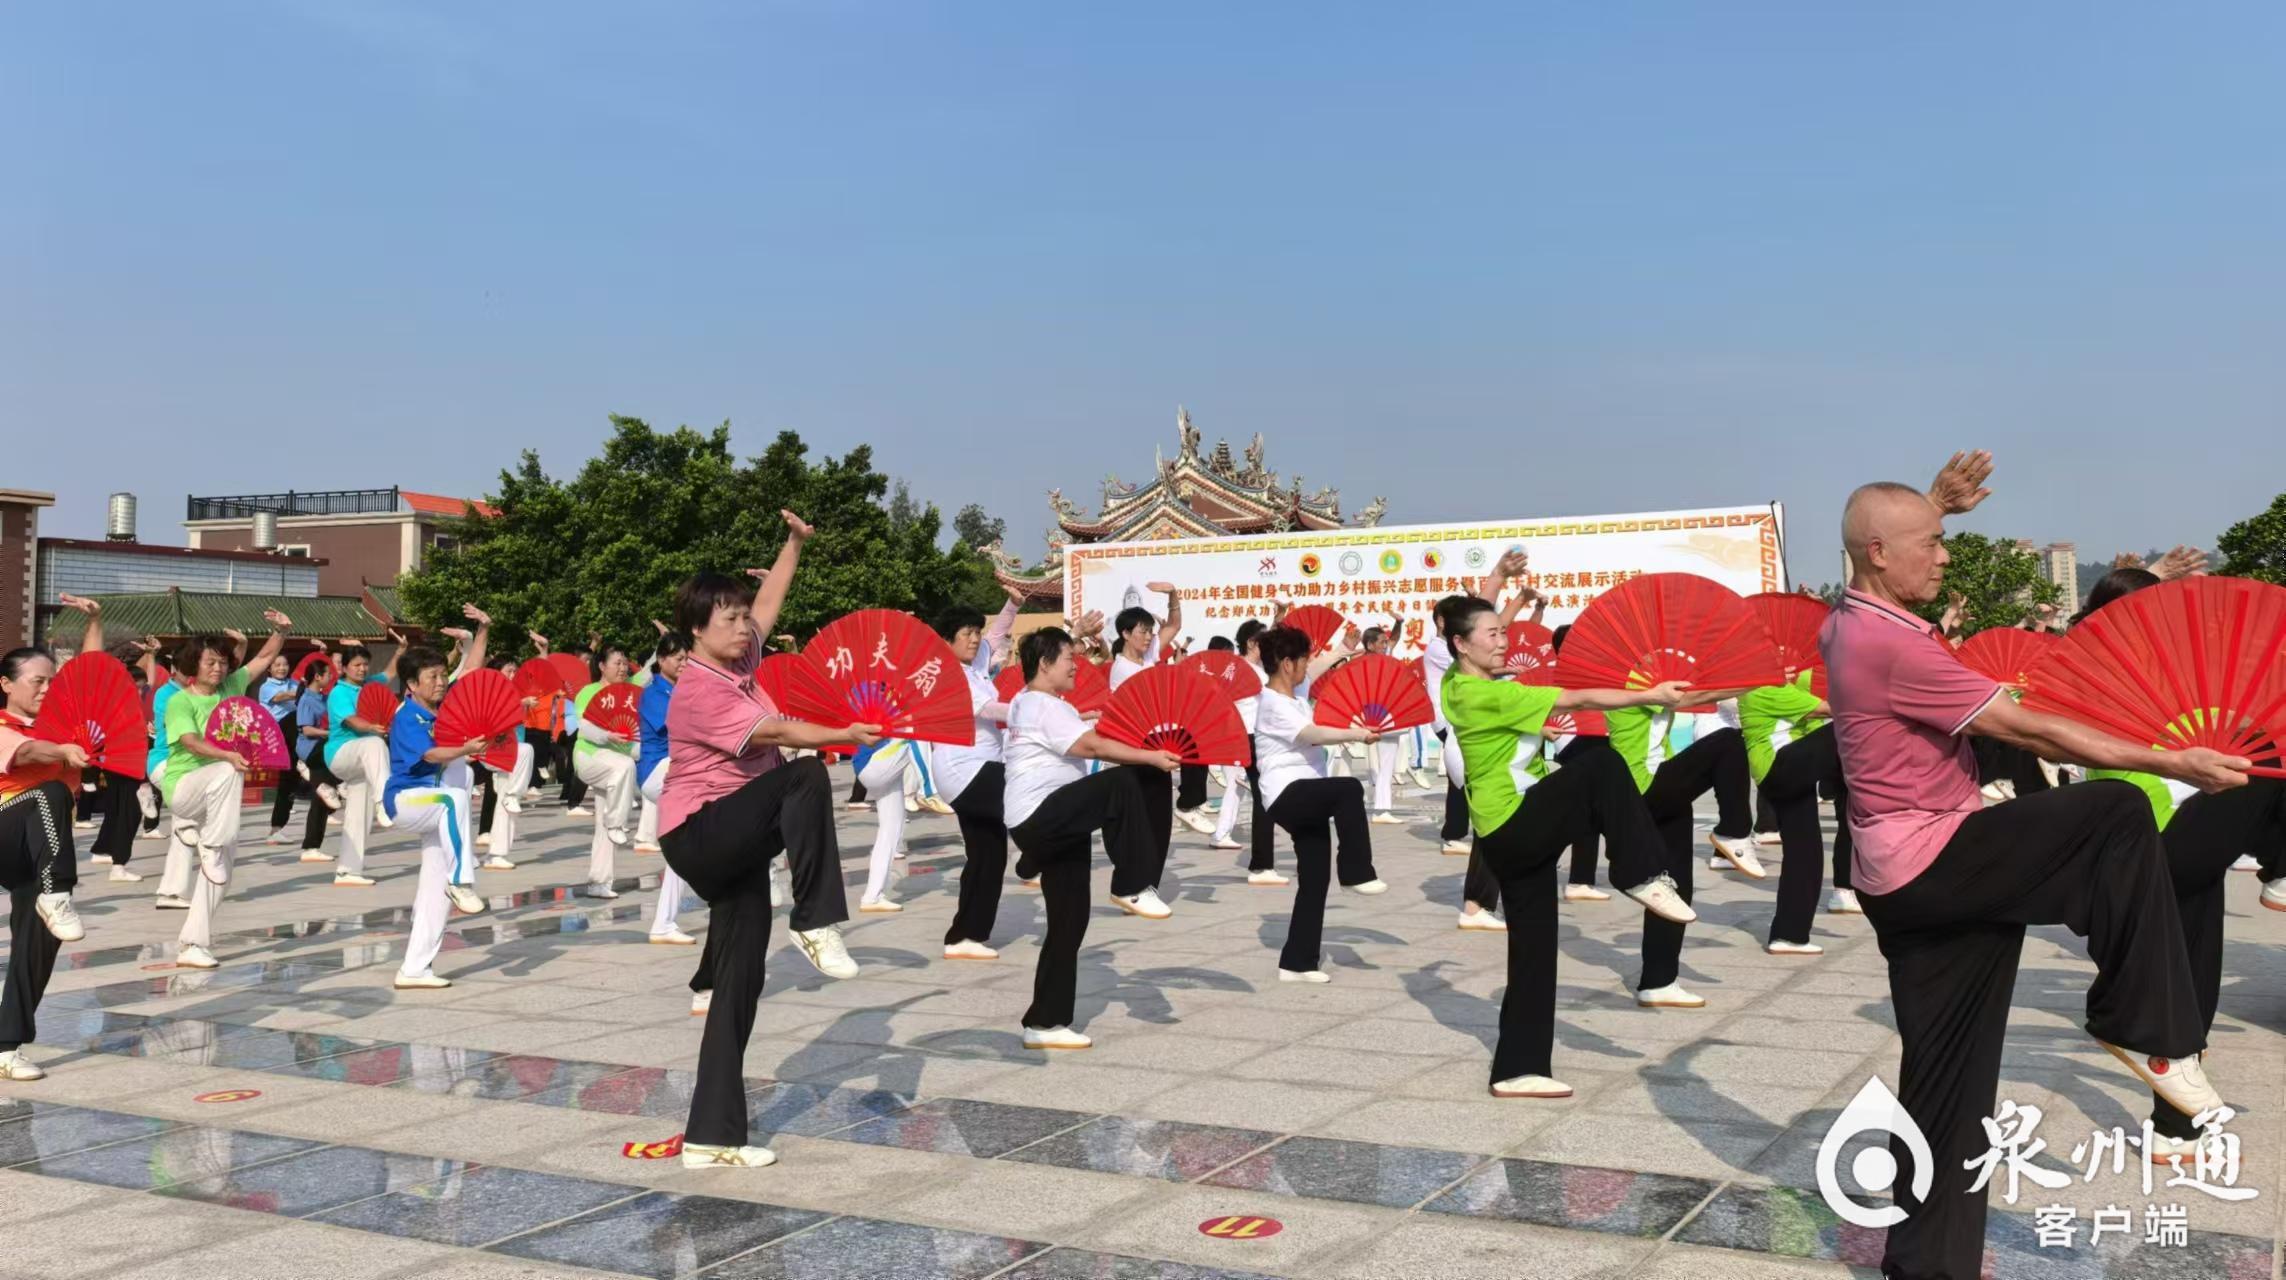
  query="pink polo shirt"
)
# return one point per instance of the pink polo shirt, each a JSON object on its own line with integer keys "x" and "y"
{"x": 1900, "y": 700}
{"x": 710, "y": 727}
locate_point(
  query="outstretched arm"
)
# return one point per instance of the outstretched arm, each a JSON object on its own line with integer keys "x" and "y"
{"x": 90, "y": 640}
{"x": 770, "y": 597}
{"x": 2070, "y": 742}
{"x": 280, "y": 624}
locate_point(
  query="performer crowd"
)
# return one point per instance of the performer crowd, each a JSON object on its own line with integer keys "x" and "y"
{"x": 1952, "y": 840}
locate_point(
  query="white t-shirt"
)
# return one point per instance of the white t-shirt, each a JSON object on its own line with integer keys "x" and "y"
{"x": 1041, "y": 729}
{"x": 1278, "y": 758}
{"x": 957, "y": 766}
{"x": 1123, "y": 667}
{"x": 1435, "y": 661}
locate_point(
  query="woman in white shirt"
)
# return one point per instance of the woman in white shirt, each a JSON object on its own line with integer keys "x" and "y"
{"x": 970, "y": 779}
{"x": 1290, "y": 757}
{"x": 1261, "y": 869}
{"x": 1052, "y": 806}
{"x": 1135, "y": 646}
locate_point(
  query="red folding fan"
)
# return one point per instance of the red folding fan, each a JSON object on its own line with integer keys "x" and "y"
{"x": 572, "y": 672}
{"x": 1091, "y": 688}
{"x": 616, "y": 708}
{"x": 1793, "y": 621}
{"x": 2007, "y": 654}
{"x": 1531, "y": 653}
{"x": 377, "y": 704}
{"x": 2190, "y": 663}
{"x": 1317, "y": 622}
{"x": 1372, "y": 691}
{"x": 771, "y": 676}
{"x": 482, "y": 704}
{"x": 1165, "y": 709}
{"x": 241, "y": 727}
{"x": 1669, "y": 626}
{"x": 92, "y": 704}
{"x": 1235, "y": 676}
{"x": 313, "y": 659}
{"x": 883, "y": 667}
{"x": 538, "y": 677}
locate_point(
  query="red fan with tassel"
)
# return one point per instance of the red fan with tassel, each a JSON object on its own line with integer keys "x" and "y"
{"x": 1235, "y": 676}
{"x": 616, "y": 708}
{"x": 2007, "y": 654}
{"x": 92, "y": 704}
{"x": 1316, "y": 621}
{"x": 1669, "y": 626}
{"x": 1531, "y": 653}
{"x": 571, "y": 672}
{"x": 1090, "y": 690}
{"x": 1166, "y": 709}
{"x": 377, "y": 704}
{"x": 1793, "y": 621}
{"x": 2195, "y": 662}
{"x": 313, "y": 659}
{"x": 538, "y": 678}
{"x": 771, "y": 677}
{"x": 241, "y": 727}
{"x": 1372, "y": 691}
{"x": 880, "y": 666}
{"x": 482, "y": 704}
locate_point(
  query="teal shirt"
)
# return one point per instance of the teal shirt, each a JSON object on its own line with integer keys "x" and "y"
{"x": 340, "y": 705}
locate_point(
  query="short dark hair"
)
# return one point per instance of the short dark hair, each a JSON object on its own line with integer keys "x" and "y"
{"x": 189, "y": 652}
{"x": 1370, "y": 635}
{"x": 349, "y": 653}
{"x": 1457, "y": 619}
{"x": 1556, "y": 639}
{"x": 703, "y": 593}
{"x": 1041, "y": 648}
{"x": 670, "y": 644}
{"x": 2119, "y": 582}
{"x": 1249, "y": 629}
{"x": 950, "y": 622}
{"x": 1280, "y": 644}
{"x": 1130, "y": 618}
{"x": 1220, "y": 644}
{"x": 412, "y": 662}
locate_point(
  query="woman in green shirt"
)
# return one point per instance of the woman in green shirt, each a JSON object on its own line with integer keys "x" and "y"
{"x": 1790, "y": 780}
{"x": 1525, "y": 818}
{"x": 204, "y": 783}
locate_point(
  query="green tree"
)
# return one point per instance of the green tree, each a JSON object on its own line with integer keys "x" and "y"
{"x": 604, "y": 550}
{"x": 2001, "y": 584}
{"x": 977, "y": 529}
{"x": 2256, "y": 546}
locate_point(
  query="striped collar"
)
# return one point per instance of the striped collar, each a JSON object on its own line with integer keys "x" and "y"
{"x": 1857, "y": 600}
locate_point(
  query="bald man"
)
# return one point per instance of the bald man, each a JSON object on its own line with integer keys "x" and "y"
{"x": 1949, "y": 886}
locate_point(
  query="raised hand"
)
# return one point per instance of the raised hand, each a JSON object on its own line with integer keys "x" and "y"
{"x": 458, "y": 633}
{"x": 1015, "y": 596}
{"x": 1512, "y": 563}
{"x": 660, "y": 625}
{"x": 1163, "y": 588}
{"x": 539, "y": 642}
{"x": 796, "y": 528}
{"x": 277, "y": 620}
{"x": 235, "y": 636}
{"x": 2181, "y": 562}
{"x": 1959, "y": 485}
{"x": 476, "y": 615}
{"x": 92, "y": 608}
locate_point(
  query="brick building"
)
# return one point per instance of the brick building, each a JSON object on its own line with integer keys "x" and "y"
{"x": 365, "y": 537}
{"x": 19, "y": 575}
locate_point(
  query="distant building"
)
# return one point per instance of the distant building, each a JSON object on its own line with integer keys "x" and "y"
{"x": 19, "y": 577}
{"x": 365, "y": 537}
{"x": 2060, "y": 561}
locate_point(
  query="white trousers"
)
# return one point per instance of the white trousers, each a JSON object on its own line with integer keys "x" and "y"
{"x": 1384, "y": 757}
{"x": 204, "y": 815}
{"x": 440, "y": 816}
{"x": 647, "y": 832}
{"x": 1233, "y": 788}
{"x": 513, "y": 784}
{"x": 650, "y": 790}
{"x": 610, "y": 778}
{"x": 886, "y": 776}
{"x": 362, "y": 764}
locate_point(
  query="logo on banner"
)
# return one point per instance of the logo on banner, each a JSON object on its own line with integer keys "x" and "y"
{"x": 1268, "y": 568}
{"x": 1311, "y": 565}
{"x": 1473, "y": 557}
{"x": 1432, "y": 559}
{"x": 1351, "y": 563}
{"x": 1392, "y": 560}
{"x": 1873, "y": 1110}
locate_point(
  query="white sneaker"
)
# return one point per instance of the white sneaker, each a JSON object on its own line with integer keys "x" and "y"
{"x": 497, "y": 863}
{"x": 82, "y": 824}
{"x": 1741, "y": 854}
{"x": 646, "y": 846}
{"x": 617, "y": 835}
{"x": 1768, "y": 839}
{"x": 699, "y": 1156}
{"x": 1307, "y": 975}
{"x": 169, "y": 902}
{"x": 531, "y": 795}
{"x": 912, "y": 805}
{"x": 484, "y": 841}
{"x": 1670, "y": 996}
{"x": 277, "y": 836}
{"x": 1196, "y": 821}
{"x": 153, "y": 834}
{"x": 1054, "y": 1038}
{"x": 598, "y": 889}
{"x": 351, "y": 880}
{"x": 1584, "y": 893}
{"x": 823, "y": 948}
{"x": 214, "y": 864}
{"x": 1843, "y": 902}
{"x": 969, "y": 950}
{"x": 122, "y": 875}
{"x": 2164, "y": 1150}
{"x": 1145, "y": 904}
{"x": 1717, "y": 862}
{"x": 878, "y": 906}
{"x": 464, "y": 899}
{"x": 328, "y": 796}
{"x": 1781, "y": 947}
{"x": 1271, "y": 878}
{"x": 381, "y": 816}
{"x": 15, "y": 1066}
{"x": 1531, "y": 1087}
{"x": 1369, "y": 887}
{"x": 673, "y": 938}
{"x": 1659, "y": 897}
{"x": 701, "y": 1001}
{"x": 333, "y": 819}
{"x": 579, "y": 811}
{"x": 56, "y": 912}
{"x": 2246, "y": 862}
{"x": 425, "y": 980}
{"x": 315, "y": 855}
{"x": 1423, "y": 779}
{"x": 1386, "y": 819}
{"x": 1459, "y": 848}
{"x": 2180, "y": 1082}
{"x": 1225, "y": 843}
{"x": 1488, "y": 921}
{"x": 936, "y": 805}
{"x": 194, "y": 956}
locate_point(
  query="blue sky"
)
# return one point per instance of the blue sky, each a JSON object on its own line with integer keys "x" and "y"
{"x": 1488, "y": 260}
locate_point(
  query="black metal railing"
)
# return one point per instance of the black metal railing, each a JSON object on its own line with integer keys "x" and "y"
{"x": 327, "y": 502}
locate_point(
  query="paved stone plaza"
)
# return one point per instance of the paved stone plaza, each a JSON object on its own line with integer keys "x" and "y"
{"x": 350, "y": 1130}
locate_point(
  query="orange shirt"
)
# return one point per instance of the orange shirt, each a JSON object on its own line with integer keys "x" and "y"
{"x": 16, "y": 778}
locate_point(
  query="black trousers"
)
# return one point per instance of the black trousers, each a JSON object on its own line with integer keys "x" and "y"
{"x": 1593, "y": 794}
{"x": 1159, "y": 823}
{"x": 1583, "y": 852}
{"x": 122, "y": 813}
{"x": 1716, "y": 762}
{"x": 1482, "y": 886}
{"x": 1316, "y": 812}
{"x": 288, "y": 782}
{"x": 313, "y": 826}
{"x": 1800, "y": 771}
{"x": 1998, "y": 761}
{"x": 1052, "y": 847}
{"x": 574, "y": 789}
{"x": 1455, "y": 825}
{"x": 1190, "y": 787}
{"x": 35, "y": 857}
{"x": 2087, "y": 857}
{"x": 2204, "y": 838}
{"x": 723, "y": 853}
{"x": 984, "y": 837}
{"x": 489, "y": 782}
{"x": 1259, "y": 831}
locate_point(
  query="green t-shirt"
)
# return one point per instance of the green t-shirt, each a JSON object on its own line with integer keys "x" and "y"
{"x": 1761, "y": 711}
{"x": 1496, "y": 724}
{"x": 186, "y": 713}
{"x": 582, "y": 749}
{"x": 1632, "y": 730}
{"x": 2150, "y": 784}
